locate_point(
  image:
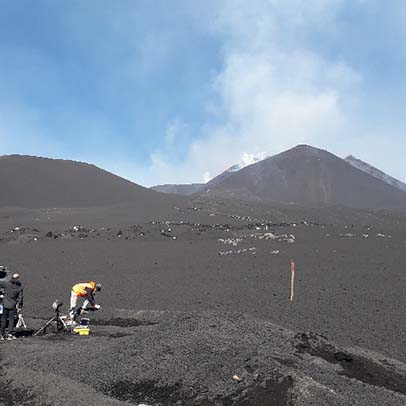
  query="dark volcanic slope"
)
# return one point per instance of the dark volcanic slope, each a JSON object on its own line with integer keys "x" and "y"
{"x": 200, "y": 269}
{"x": 350, "y": 272}
{"x": 306, "y": 175}
{"x": 149, "y": 358}
{"x": 217, "y": 180}
{"x": 377, "y": 173}
{"x": 187, "y": 189}
{"x": 33, "y": 182}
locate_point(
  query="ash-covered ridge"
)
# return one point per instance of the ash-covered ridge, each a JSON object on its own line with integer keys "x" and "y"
{"x": 305, "y": 175}
{"x": 196, "y": 188}
{"x": 375, "y": 172}
{"x": 35, "y": 182}
{"x": 181, "y": 189}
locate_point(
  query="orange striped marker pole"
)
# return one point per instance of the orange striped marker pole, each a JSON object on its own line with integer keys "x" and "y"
{"x": 292, "y": 279}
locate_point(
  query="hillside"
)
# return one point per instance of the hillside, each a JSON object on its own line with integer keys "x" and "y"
{"x": 306, "y": 175}
{"x": 181, "y": 189}
{"x": 33, "y": 182}
{"x": 375, "y": 172}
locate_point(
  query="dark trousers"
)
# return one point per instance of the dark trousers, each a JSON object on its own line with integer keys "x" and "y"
{"x": 8, "y": 314}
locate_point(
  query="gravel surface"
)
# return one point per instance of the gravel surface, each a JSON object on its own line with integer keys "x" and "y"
{"x": 218, "y": 305}
{"x": 195, "y": 358}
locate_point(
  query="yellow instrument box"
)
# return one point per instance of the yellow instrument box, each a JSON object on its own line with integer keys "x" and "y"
{"x": 82, "y": 331}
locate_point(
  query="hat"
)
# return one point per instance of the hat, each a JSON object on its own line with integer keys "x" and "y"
{"x": 16, "y": 276}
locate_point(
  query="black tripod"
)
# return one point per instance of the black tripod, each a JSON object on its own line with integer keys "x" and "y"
{"x": 57, "y": 321}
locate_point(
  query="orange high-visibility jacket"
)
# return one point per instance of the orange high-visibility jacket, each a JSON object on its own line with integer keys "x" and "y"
{"x": 80, "y": 288}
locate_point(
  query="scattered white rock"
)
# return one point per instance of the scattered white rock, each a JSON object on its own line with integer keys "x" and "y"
{"x": 230, "y": 241}
{"x": 240, "y": 251}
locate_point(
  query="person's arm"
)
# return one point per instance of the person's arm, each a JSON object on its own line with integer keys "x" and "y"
{"x": 90, "y": 296}
{"x": 20, "y": 299}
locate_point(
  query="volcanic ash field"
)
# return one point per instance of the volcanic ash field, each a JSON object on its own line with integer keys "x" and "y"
{"x": 196, "y": 306}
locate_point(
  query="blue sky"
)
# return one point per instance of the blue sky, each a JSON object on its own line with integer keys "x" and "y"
{"x": 177, "y": 91}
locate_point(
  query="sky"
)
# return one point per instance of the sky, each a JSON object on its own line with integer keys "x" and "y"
{"x": 177, "y": 91}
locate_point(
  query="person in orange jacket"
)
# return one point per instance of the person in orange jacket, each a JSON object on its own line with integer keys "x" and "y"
{"x": 84, "y": 290}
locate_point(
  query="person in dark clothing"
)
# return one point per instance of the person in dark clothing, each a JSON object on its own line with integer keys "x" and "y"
{"x": 12, "y": 302}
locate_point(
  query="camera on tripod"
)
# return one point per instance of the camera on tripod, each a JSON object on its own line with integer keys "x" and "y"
{"x": 56, "y": 305}
{"x": 57, "y": 323}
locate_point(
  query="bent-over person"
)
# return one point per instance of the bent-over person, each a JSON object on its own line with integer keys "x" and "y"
{"x": 84, "y": 290}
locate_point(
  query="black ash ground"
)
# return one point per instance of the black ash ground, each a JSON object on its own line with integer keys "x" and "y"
{"x": 210, "y": 315}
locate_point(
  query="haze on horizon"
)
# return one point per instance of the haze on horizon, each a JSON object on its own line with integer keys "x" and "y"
{"x": 177, "y": 93}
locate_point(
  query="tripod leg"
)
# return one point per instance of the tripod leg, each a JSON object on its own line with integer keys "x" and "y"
{"x": 64, "y": 327}
{"x": 59, "y": 325}
{"x": 20, "y": 322}
{"x": 44, "y": 326}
